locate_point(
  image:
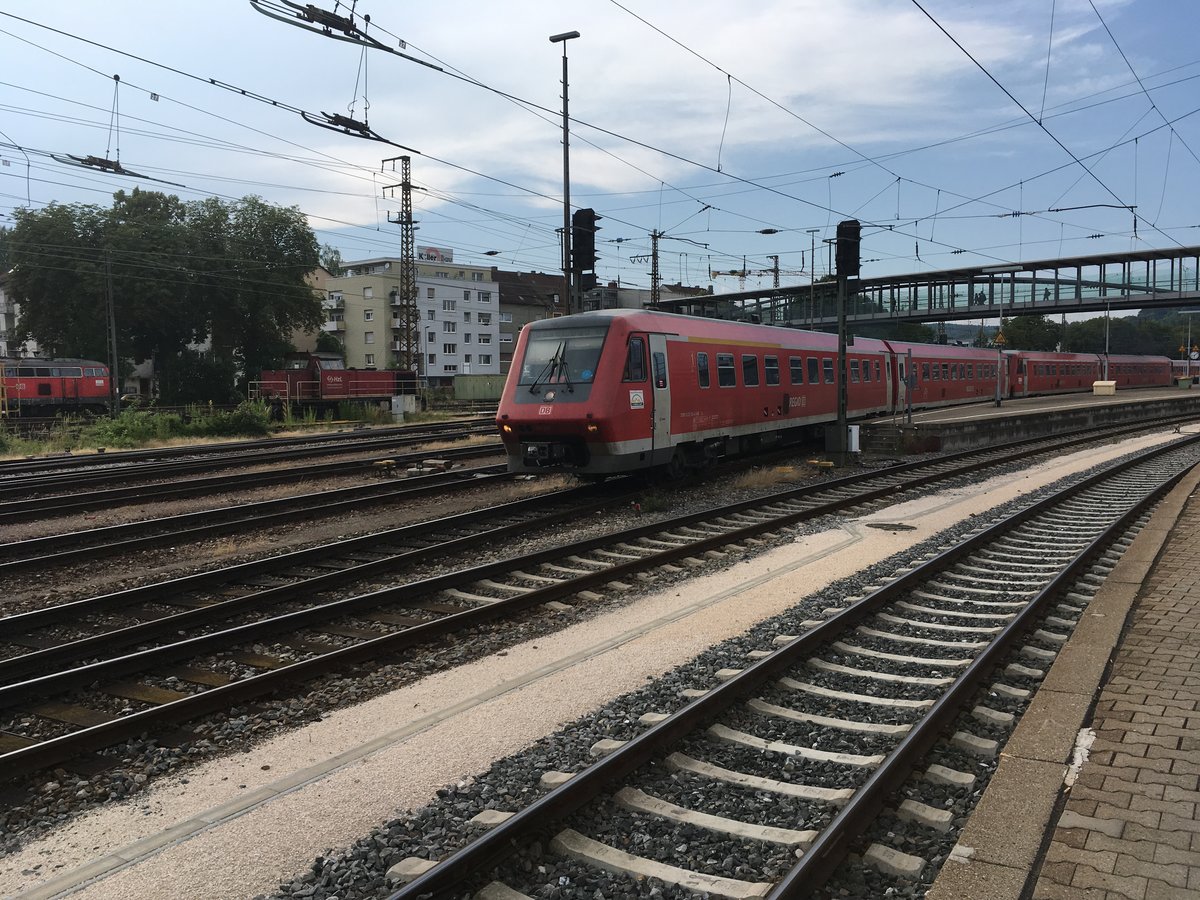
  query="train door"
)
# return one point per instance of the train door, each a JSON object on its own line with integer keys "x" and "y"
{"x": 660, "y": 389}
{"x": 69, "y": 389}
{"x": 897, "y": 368}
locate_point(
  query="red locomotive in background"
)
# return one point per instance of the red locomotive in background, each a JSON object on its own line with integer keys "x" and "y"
{"x": 322, "y": 380}
{"x": 37, "y": 386}
{"x": 622, "y": 390}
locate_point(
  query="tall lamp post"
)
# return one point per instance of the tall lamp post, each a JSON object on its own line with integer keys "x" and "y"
{"x": 568, "y": 288}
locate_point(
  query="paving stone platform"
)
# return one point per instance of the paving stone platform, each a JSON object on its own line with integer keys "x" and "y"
{"x": 1129, "y": 824}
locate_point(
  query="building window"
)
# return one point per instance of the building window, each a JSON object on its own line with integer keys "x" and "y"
{"x": 336, "y": 315}
{"x": 432, "y": 358}
{"x": 368, "y": 293}
{"x": 368, "y": 337}
{"x": 450, "y": 349}
{"x": 467, "y": 338}
{"x": 477, "y": 276}
{"x": 485, "y": 339}
{"x": 429, "y": 292}
{"x": 505, "y": 317}
{"x": 467, "y": 358}
{"x": 485, "y": 296}
{"x": 370, "y": 359}
{"x": 449, "y": 305}
{"x": 505, "y": 337}
{"x": 430, "y": 337}
{"x": 485, "y": 359}
{"x": 449, "y": 327}
{"x": 485, "y": 318}
{"x": 430, "y": 314}
{"x": 466, "y": 315}
{"x": 450, "y": 368}
{"x": 368, "y": 315}
{"x": 467, "y": 296}
{"x": 441, "y": 274}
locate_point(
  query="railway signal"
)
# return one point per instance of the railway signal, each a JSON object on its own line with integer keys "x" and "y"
{"x": 583, "y": 248}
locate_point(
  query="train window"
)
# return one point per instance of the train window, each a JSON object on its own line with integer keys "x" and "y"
{"x": 854, "y": 379}
{"x": 827, "y": 370}
{"x": 877, "y": 378}
{"x": 901, "y": 373}
{"x": 945, "y": 371}
{"x": 750, "y": 370}
{"x": 71, "y": 372}
{"x": 813, "y": 365}
{"x": 925, "y": 371}
{"x": 771, "y": 369}
{"x": 635, "y": 361}
{"x": 702, "y": 369}
{"x": 866, "y": 369}
{"x": 659, "y": 361}
{"x": 971, "y": 370}
{"x": 726, "y": 377}
{"x": 10, "y": 371}
{"x": 44, "y": 390}
{"x": 934, "y": 369}
{"x": 796, "y": 369}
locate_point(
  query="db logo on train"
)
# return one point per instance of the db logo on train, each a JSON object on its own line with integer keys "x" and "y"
{"x": 545, "y": 410}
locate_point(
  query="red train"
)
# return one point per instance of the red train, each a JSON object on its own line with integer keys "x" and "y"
{"x": 322, "y": 379}
{"x": 621, "y": 390}
{"x": 36, "y": 386}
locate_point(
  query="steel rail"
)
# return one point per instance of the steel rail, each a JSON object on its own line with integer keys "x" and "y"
{"x": 147, "y": 533}
{"x": 62, "y": 504}
{"x": 123, "y": 472}
{"x": 581, "y": 502}
{"x": 493, "y": 847}
{"x": 55, "y": 750}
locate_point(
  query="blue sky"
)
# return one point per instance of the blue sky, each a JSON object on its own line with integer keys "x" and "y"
{"x": 706, "y": 121}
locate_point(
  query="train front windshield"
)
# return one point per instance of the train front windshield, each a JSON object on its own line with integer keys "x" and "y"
{"x": 562, "y": 355}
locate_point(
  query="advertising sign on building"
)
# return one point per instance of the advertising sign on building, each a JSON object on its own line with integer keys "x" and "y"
{"x": 435, "y": 255}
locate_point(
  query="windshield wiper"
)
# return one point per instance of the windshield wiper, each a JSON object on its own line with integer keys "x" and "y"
{"x": 547, "y": 370}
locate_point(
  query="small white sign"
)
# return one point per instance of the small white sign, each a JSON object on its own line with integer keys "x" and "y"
{"x": 637, "y": 400}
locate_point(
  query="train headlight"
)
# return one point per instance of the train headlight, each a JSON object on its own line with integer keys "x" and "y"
{"x": 593, "y": 428}
{"x": 506, "y": 428}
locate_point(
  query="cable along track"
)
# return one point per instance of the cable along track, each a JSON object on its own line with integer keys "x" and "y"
{"x": 214, "y": 666}
{"x": 833, "y": 720}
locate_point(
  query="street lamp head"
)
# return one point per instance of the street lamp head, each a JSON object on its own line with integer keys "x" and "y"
{"x": 565, "y": 36}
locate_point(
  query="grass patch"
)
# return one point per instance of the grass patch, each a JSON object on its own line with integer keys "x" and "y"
{"x": 758, "y": 478}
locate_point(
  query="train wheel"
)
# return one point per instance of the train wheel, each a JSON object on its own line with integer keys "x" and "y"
{"x": 677, "y": 468}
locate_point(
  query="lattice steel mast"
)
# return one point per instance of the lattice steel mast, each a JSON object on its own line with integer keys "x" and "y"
{"x": 407, "y": 333}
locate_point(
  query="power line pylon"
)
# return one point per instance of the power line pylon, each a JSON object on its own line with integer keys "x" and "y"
{"x": 406, "y": 334}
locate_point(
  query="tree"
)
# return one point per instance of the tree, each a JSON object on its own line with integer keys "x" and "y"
{"x": 181, "y": 274}
{"x": 331, "y": 259}
{"x": 1030, "y": 333}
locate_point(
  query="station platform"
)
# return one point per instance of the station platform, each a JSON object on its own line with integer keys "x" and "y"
{"x": 968, "y": 426}
{"x": 1097, "y": 794}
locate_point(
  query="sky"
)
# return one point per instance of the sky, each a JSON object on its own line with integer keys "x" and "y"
{"x": 959, "y": 132}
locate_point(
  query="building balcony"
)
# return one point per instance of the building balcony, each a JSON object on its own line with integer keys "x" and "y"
{"x": 331, "y": 327}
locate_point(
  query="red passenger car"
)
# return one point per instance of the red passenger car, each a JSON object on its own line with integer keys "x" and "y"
{"x": 622, "y": 390}
{"x": 36, "y": 386}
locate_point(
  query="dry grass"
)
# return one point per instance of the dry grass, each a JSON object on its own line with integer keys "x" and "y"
{"x": 757, "y": 478}
{"x": 472, "y": 440}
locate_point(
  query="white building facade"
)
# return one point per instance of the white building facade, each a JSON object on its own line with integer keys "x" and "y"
{"x": 459, "y": 309}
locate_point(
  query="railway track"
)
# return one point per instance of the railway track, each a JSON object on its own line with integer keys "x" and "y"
{"x": 107, "y": 498}
{"x": 112, "y": 540}
{"x": 213, "y": 666}
{"x": 22, "y": 477}
{"x": 830, "y": 723}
